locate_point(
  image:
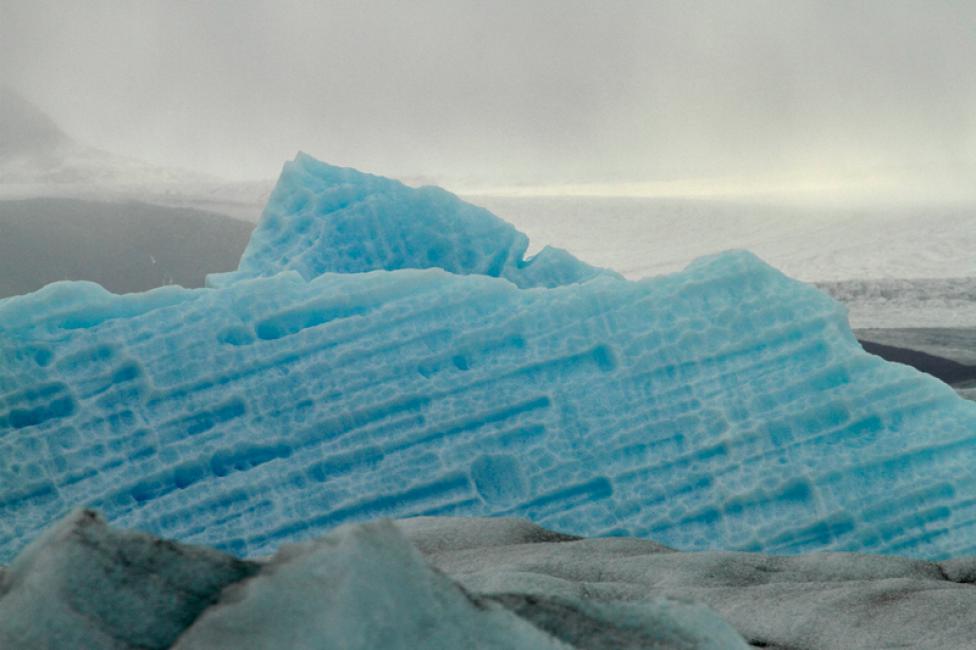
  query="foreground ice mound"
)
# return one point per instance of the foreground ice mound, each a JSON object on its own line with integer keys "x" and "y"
{"x": 726, "y": 406}
{"x": 444, "y": 582}
{"x": 84, "y": 585}
{"x": 820, "y": 601}
{"x": 364, "y": 587}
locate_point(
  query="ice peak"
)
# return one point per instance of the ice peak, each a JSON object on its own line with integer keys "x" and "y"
{"x": 327, "y": 219}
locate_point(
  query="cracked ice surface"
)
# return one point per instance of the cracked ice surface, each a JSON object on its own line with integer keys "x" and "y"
{"x": 725, "y": 406}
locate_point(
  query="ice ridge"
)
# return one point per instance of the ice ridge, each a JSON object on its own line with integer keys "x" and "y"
{"x": 321, "y": 219}
{"x": 726, "y": 406}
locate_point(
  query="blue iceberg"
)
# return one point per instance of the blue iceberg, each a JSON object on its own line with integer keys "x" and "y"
{"x": 388, "y": 351}
{"x": 325, "y": 219}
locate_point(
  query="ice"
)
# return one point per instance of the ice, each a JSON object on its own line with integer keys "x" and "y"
{"x": 330, "y": 219}
{"x": 363, "y": 586}
{"x": 914, "y": 303}
{"x": 84, "y": 585}
{"x": 725, "y": 406}
{"x": 815, "y": 238}
{"x": 819, "y": 601}
{"x": 437, "y": 582}
{"x": 360, "y": 587}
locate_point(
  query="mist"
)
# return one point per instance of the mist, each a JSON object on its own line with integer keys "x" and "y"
{"x": 600, "y": 98}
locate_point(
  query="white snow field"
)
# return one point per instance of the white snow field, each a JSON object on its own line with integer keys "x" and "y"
{"x": 463, "y": 582}
{"x": 641, "y": 237}
{"x": 385, "y": 351}
{"x": 912, "y": 303}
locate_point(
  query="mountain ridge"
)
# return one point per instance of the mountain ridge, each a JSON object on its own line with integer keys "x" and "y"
{"x": 26, "y": 128}
{"x": 39, "y": 160}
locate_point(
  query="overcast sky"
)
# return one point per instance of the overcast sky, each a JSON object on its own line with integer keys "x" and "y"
{"x": 495, "y": 93}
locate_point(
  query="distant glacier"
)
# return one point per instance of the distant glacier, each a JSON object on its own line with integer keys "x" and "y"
{"x": 383, "y": 350}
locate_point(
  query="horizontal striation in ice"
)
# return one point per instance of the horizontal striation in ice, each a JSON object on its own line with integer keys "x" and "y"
{"x": 726, "y": 406}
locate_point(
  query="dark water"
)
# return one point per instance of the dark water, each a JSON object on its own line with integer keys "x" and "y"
{"x": 125, "y": 247}
{"x": 944, "y": 353}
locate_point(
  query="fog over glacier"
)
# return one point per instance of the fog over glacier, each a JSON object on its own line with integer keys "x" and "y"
{"x": 816, "y": 99}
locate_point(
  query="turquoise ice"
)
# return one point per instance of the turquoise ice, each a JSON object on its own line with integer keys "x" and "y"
{"x": 384, "y": 350}
{"x": 325, "y": 219}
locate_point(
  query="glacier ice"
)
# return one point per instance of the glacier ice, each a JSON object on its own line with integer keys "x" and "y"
{"x": 360, "y": 587}
{"x": 817, "y": 601}
{"x": 87, "y": 586}
{"x": 389, "y": 351}
{"x": 808, "y": 240}
{"x": 84, "y": 585}
{"x": 449, "y": 582}
{"x": 902, "y": 303}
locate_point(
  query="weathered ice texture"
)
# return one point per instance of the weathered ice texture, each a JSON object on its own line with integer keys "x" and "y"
{"x": 726, "y": 406}
{"x": 444, "y": 582}
{"x": 84, "y": 586}
{"x": 363, "y": 587}
{"x": 819, "y": 601}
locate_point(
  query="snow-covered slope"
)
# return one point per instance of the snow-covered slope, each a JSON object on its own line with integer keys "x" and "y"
{"x": 37, "y": 159}
{"x": 360, "y": 587}
{"x": 726, "y": 406}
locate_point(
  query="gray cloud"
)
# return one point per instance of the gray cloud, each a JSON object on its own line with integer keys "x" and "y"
{"x": 543, "y": 91}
